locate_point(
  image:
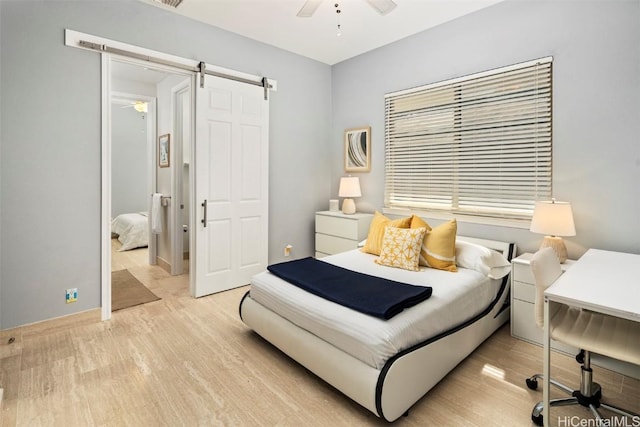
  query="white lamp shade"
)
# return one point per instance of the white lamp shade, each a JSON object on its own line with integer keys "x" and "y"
{"x": 553, "y": 218}
{"x": 349, "y": 187}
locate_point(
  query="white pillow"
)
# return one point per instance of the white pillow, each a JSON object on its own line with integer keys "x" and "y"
{"x": 485, "y": 260}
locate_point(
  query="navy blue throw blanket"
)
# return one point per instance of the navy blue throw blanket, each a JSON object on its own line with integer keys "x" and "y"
{"x": 367, "y": 294}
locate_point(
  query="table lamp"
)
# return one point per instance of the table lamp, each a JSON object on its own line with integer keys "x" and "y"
{"x": 555, "y": 219}
{"x": 349, "y": 187}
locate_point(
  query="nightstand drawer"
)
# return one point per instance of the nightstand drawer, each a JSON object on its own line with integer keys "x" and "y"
{"x": 339, "y": 227}
{"x": 337, "y": 232}
{"x": 524, "y": 291}
{"x": 524, "y": 327}
{"x": 333, "y": 245}
{"x": 524, "y": 324}
{"x": 523, "y": 272}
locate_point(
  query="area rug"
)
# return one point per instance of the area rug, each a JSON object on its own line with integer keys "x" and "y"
{"x": 127, "y": 291}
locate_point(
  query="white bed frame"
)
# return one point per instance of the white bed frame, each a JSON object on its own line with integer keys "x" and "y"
{"x": 406, "y": 377}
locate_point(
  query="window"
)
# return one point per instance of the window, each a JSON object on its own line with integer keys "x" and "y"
{"x": 478, "y": 145}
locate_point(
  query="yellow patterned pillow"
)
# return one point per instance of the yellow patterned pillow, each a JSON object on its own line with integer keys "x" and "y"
{"x": 439, "y": 245}
{"x": 401, "y": 248}
{"x": 376, "y": 231}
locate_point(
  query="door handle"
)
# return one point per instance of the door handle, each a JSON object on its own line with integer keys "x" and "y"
{"x": 204, "y": 219}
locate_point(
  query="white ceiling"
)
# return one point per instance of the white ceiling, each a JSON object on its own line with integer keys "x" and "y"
{"x": 275, "y": 22}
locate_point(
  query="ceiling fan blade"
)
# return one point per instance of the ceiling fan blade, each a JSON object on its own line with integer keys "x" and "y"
{"x": 308, "y": 8}
{"x": 382, "y": 6}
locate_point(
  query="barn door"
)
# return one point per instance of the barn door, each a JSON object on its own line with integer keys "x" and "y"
{"x": 231, "y": 184}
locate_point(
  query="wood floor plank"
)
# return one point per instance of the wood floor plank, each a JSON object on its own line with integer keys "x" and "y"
{"x": 187, "y": 361}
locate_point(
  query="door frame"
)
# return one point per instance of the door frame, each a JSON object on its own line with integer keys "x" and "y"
{"x": 175, "y": 223}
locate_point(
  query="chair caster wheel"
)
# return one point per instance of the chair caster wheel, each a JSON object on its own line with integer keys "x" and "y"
{"x": 537, "y": 420}
{"x": 532, "y": 383}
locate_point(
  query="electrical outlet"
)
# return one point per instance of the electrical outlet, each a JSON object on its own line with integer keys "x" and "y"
{"x": 72, "y": 295}
{"x": 287, "y": 250}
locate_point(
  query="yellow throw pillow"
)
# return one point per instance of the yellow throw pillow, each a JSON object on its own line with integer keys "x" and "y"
{"x": 439, "y": 245}
{"x": 417, "y": 222}
{"x": 401, "y": 248}
{"x": 376, "y": 231}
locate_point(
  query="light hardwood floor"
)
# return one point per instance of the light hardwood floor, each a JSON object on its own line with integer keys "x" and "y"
{"x": 192, "y": 362}
{"x": 138, "y": 257}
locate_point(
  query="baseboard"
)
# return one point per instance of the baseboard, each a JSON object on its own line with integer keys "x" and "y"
{"x": 163, "y": 264}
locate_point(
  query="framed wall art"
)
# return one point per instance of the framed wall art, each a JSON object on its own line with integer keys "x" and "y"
{"x": 164, "y": 147}
{"x": 357, "y": 149}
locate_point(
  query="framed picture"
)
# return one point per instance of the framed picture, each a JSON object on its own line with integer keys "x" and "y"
{"x": 164, "y": 145}
{"x": 357, "y": 149}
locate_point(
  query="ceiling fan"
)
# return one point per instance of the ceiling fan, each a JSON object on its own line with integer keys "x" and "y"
{"x": 381, "y": 6}
{"x": 139, "y": 106}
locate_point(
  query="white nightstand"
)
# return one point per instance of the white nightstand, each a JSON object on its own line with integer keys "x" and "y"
{"x": 337, "y": 232}
{"x": 523, "y": 297}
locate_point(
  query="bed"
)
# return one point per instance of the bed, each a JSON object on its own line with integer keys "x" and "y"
{"x": 132, "y": 230}
{"x": 384, "y": 365}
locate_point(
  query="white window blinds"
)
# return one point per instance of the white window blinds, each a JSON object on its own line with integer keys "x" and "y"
{"x": 478, "y": 145}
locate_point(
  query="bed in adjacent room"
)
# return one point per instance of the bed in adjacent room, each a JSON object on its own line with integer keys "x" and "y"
{"x": 132, "y": 230}
{"x": 386, "y": 365}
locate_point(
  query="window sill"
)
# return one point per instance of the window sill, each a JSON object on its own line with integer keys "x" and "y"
{"x": 470, "y": 219}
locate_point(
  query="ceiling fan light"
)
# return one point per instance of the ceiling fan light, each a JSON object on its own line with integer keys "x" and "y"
{"x": 382, "y": 6}
{"x": 140, "y": 107}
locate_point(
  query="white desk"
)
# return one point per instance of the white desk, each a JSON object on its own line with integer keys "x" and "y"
{"x": 603, "y": 281}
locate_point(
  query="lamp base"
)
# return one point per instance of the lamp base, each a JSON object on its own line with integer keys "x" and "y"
{"x": 557, "y": 244}
{"x": 348, "y": 207}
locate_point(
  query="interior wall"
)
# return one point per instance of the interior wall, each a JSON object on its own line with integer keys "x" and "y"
{"x": 50, "y": 158}
{"x": 129, "y": 165}
{"x": 596, "y": 105}
{"x": 164, "y": 175}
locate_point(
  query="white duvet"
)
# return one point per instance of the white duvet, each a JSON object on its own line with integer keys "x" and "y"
{"x": 132, "y": 230}
{"x": 456, "y": 298}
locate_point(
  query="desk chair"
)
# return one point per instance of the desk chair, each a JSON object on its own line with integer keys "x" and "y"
{"x": 590, "y": 331}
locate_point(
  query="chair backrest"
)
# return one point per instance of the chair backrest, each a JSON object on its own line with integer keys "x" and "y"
{"x": 546, "y": 269}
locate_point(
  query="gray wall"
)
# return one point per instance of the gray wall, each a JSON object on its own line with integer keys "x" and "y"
{"x": 129, "y": 164}
{"x": 50, "y": 157}
{"x": 596, "y": 118}
{"x": 50, "y": 142}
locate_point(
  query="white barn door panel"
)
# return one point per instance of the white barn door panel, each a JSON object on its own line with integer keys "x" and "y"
{"x": 231, "y": 184}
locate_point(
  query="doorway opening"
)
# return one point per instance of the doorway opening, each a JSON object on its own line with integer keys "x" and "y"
{"x": 145, "y": 104}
